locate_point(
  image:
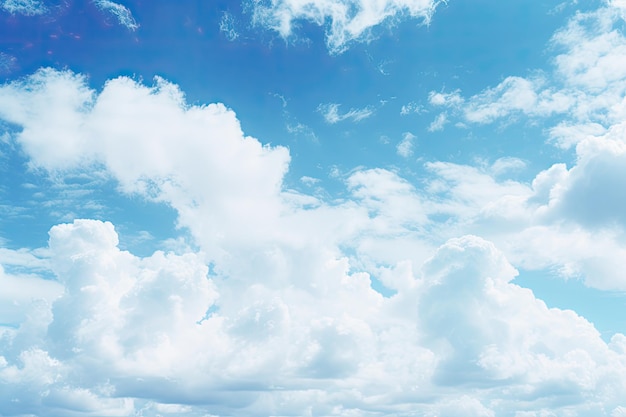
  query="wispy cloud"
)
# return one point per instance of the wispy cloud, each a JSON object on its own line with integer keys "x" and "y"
{"x": 345, "y": 20}
{"x": 121, "y": 13}
{"x": 25, "y": 7}
{"x": 7, "y": 63}
{"x": 331, "y": 113}
{"x": 411, "y": 108}
{"x": 227, "y": 26}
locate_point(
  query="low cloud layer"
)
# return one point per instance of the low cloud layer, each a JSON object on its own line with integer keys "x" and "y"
{"x": 161, "y": 333}
{"x": 275, "y": 312}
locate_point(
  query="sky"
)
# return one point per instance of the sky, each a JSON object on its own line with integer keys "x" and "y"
{"x": 356, "y": 208}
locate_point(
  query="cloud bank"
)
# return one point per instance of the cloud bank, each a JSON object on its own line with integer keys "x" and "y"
{"x": 275, "y": 311}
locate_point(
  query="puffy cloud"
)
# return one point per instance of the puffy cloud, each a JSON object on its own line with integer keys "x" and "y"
{"x": 567, "y": 219}
{"x": 452, "y": 99}
{"x": 157, "y": 147}
{"x": 345, "y": 21}
{"x": 439, "y": 122}
{"x": 121, "y": 13}
{"x": 135, "y": 314}
{"x": 128, "y": 331}
{"x": 506, "y": 164}
{"x": 588, "y": 193}
{"x": 21, "y": 293}
{"x": 411, "y": 108}
{"x": 286, "y": 321}
{"x": 405, "y": 147}
{"x": 516, "y": 95}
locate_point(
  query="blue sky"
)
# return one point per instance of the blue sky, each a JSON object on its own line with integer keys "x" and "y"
{"x": 312, "y": 208}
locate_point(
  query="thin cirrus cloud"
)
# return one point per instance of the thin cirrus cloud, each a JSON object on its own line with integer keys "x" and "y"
{"x": 345, "y": 21}
{"x": 332, "y": 115}
{"x": 227, "y": 26}
{"x": 119, "y": 11}
{"x": 36, "y": 7}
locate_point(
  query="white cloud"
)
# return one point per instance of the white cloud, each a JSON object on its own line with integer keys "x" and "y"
{"x": 345, "y": 21}
{"x": 538, "y": 225}
{"x": 227, "y": 27}
{"x": 514, "y": 93}
{"x": 25, "y": 7}
{"x": 585, "y": 88}
{"x": 128, "y": 326}
{"x": 439, "y": 122}
{"x": 566, "y": 135}
{"x": 121, "y": 13}
{"x": 21, "y": 295}
{"x": 405, "y": 147}
{"x": 452, "y": 99}
{"x": 506, "y": 164}
{"x": 411, "y": 108}
{"x": 286, "y": 316}
{"x": 309, "y": 181}
{"x": 7, "y": 63}
{"x": 143, "y": 150}
{"x": 331, "y": 114}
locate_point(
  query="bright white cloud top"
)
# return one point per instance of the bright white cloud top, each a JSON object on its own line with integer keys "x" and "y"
{"x": 395, "y": 295}
{"x": 348, "y": 20}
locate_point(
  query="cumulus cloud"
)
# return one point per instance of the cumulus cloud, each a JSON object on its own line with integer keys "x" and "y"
{"x": 345, "y": 21}
{"x": 331, "y": 113}
{"x": 25, "y": 7}
{"x": 439, "y": 122}
{"x": 274, "y": 312}
{"x": 153, "y": 163}
{"x": 452, "y": 99}
{"x": 125, "y": 327}
{"x": 121, "y": 13}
